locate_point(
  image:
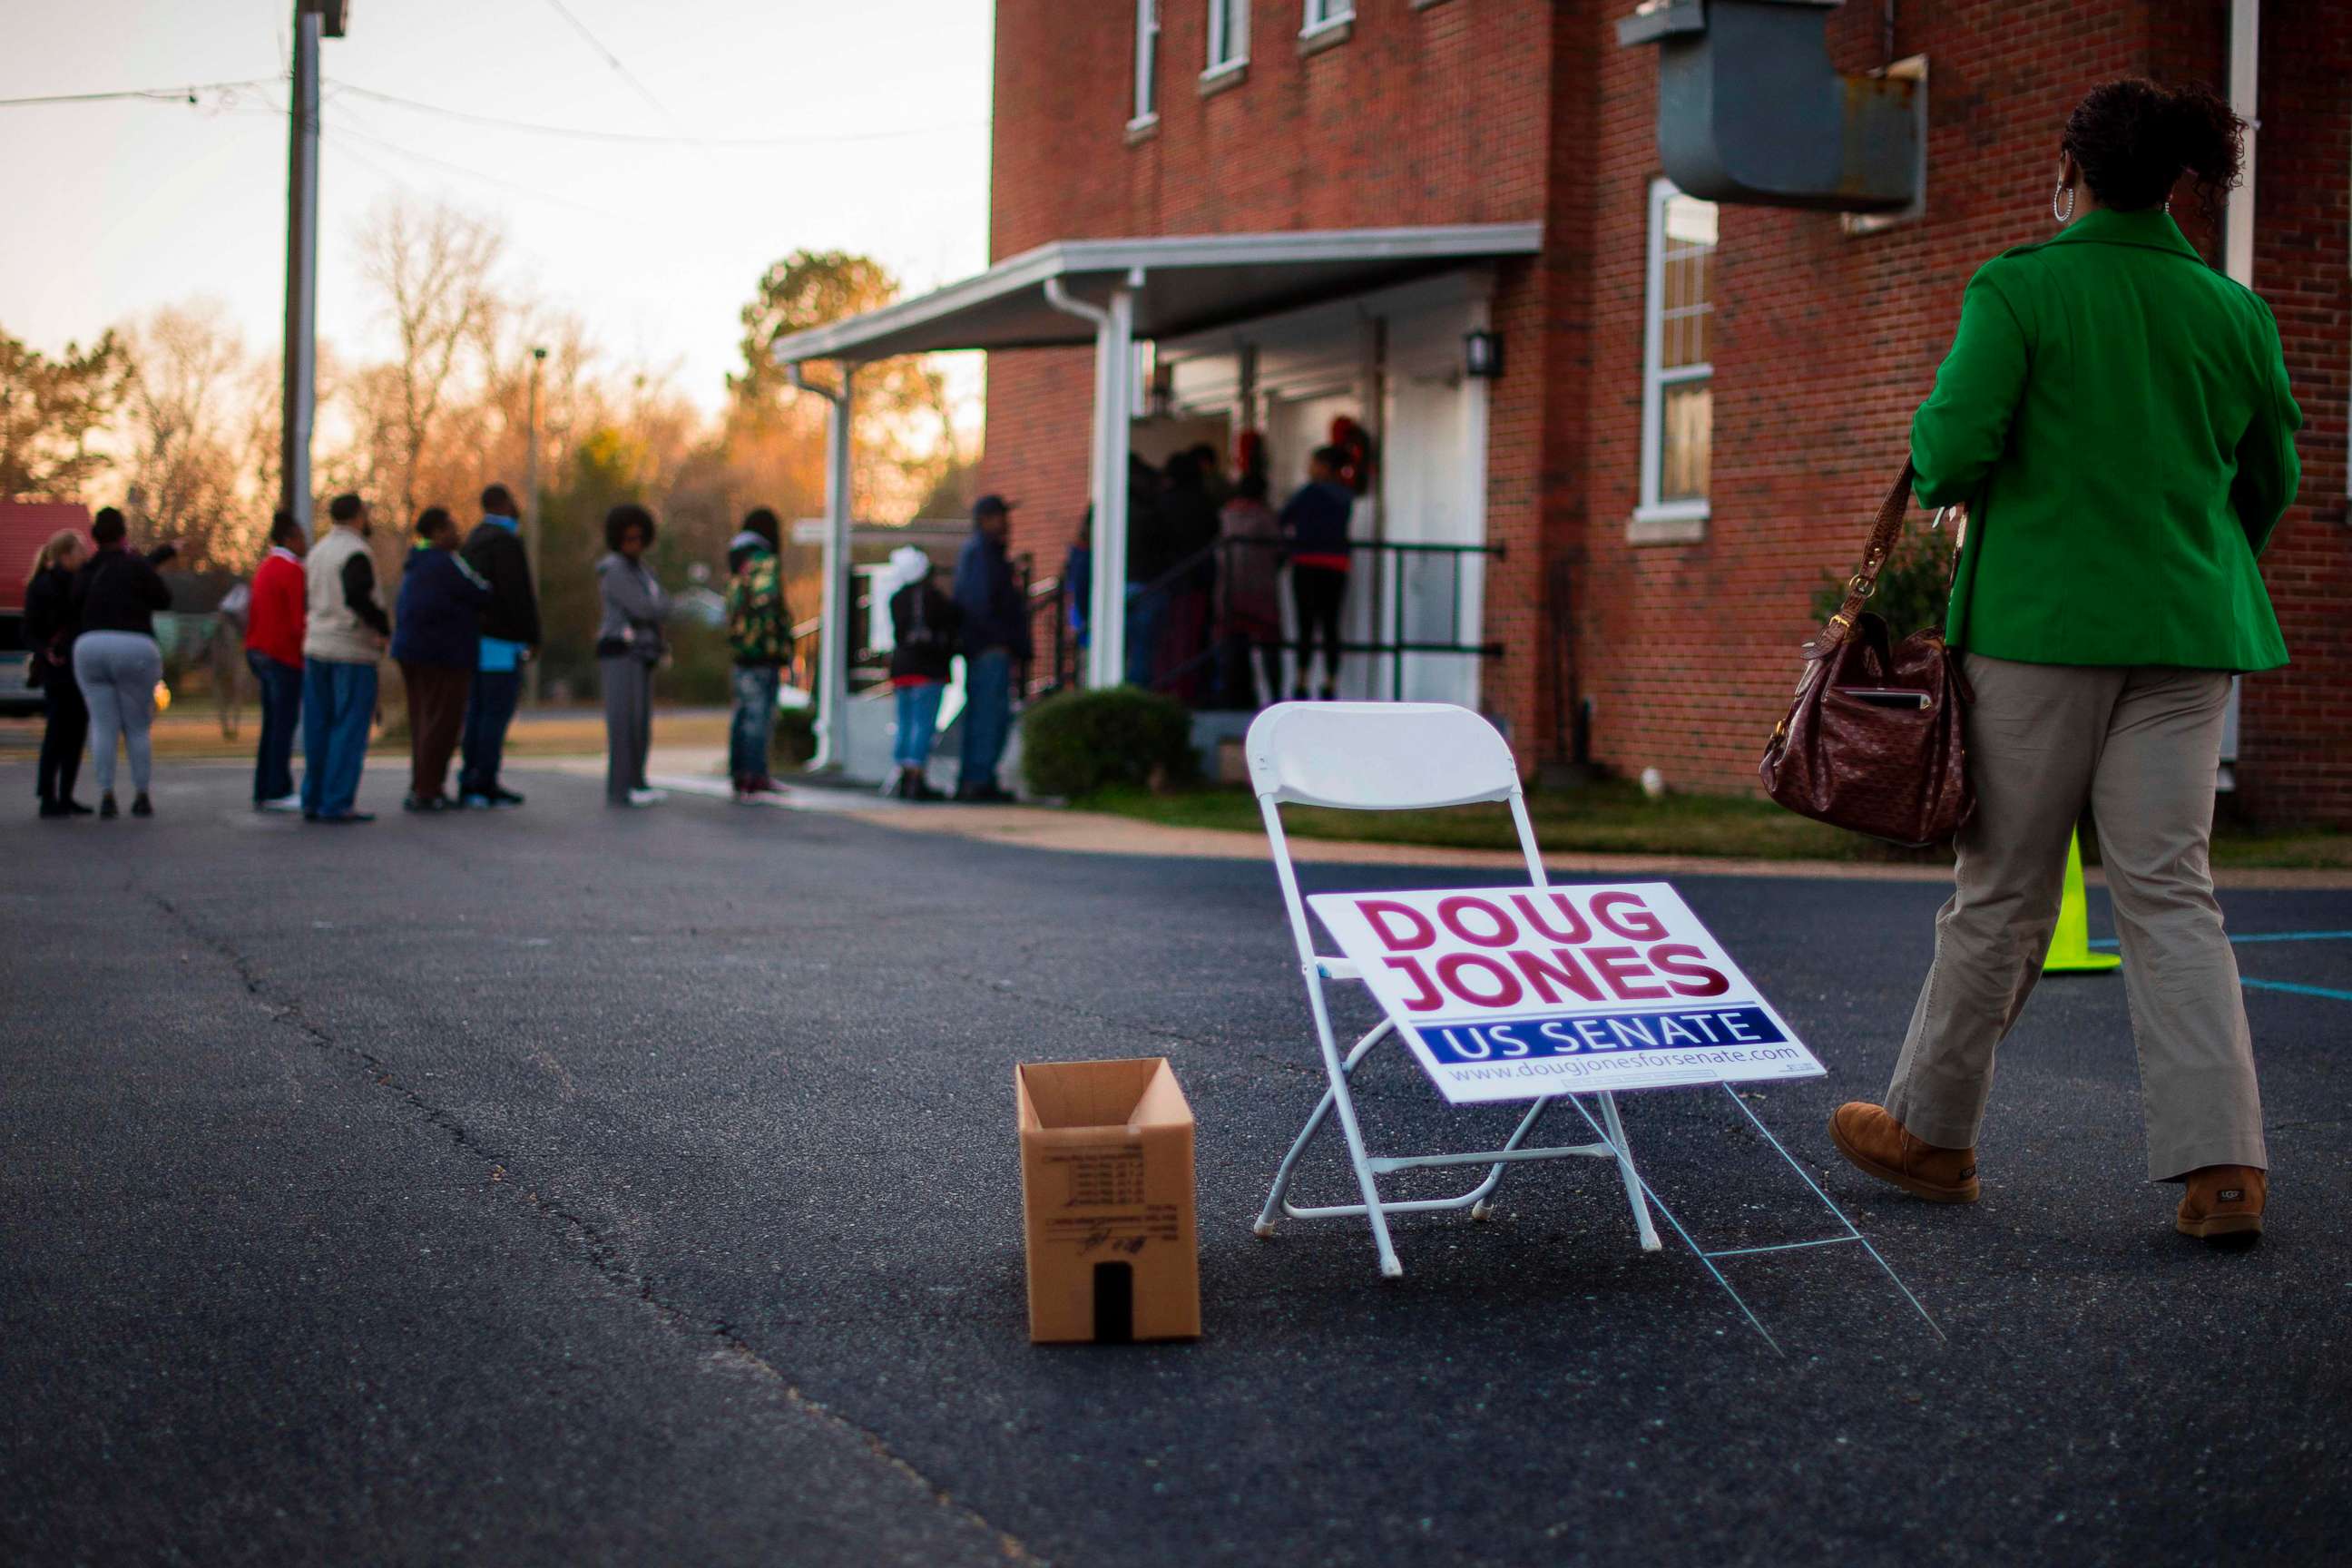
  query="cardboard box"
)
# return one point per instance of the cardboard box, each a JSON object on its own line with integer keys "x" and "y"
{"x": 1107, "y": 1201}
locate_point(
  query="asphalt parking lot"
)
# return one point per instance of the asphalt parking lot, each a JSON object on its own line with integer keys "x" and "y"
{"x": 570, "y": 1185}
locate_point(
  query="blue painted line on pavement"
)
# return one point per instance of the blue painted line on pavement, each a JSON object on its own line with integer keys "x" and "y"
{"x": 2109, "y": 941}
{"x": 2291, "y": 988}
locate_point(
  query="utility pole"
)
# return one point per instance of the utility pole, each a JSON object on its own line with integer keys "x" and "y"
{"x": 313, "y": 19}
{"x": 530, "y": 501}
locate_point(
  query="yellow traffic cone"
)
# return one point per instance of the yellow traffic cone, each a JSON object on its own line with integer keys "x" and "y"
{"x": 2070, "y": 944}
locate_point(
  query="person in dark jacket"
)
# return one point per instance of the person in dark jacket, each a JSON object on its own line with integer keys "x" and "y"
{"x": 995, "y": 634}
{"x": 1152, "y": 551}
{"x": 115, "y": 660}
{"x": 49, "y": 628}
{"x": 1315, "y": 532}
{"x": 434, "y": 641}
{"x": 510, "y": 639}
{"x": 926, "y": 627}
{"x": 1189, "y": 514}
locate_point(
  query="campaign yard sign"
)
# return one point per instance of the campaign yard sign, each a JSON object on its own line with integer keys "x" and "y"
{"x": 1515, "y": 992}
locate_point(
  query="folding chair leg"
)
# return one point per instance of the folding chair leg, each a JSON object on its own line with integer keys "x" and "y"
{"x": 1343, "y": 1102}
{"x": 1272, "y": 1210}
{"x": 1266, "y": 1216}
{"x": 1485, "y": 1203}
{"x": 1649, "y": 1233}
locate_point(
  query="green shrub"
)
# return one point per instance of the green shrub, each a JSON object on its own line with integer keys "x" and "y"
{"x": 795, "y": 737}
{"x": 1914, "y": 586}
{"x": 1080, "y": 742}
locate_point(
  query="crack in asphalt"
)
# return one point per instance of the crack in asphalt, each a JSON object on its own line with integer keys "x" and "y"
{"x": 603, "y": 1256}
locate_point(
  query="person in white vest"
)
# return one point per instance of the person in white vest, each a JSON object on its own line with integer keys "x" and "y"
{"x": 344, "y": 635}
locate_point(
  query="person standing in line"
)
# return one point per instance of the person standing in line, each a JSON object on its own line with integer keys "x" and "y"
{"x": 1249, "y": 596}
{"x": 2115, "y": 416}
{"x": 1190, "y": 515}
{"x": 344, "y": 635}
{"x": 925, "y": 628}
{"x": 115, "y": 660}
{"x": 510, "y": 639}
{"x": 436, "y": 641}
{"x": 49, "y": 628}
{"x": 1078, "y": 583}
{"x": 759, "y": 632}
{"x": 1151, "y": 552}
{"x": 628, "y": 645}
{"x": 995, "y": 635}
{"x": 273, "y": 651}
{"x": 1315, "y": 530}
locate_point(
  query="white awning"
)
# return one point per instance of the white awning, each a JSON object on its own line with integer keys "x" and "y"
{"x": 1179, "y": 283}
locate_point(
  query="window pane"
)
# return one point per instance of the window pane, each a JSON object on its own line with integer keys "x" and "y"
{"x": 1687, "y": 421}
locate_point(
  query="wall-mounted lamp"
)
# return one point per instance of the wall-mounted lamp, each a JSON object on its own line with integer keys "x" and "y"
{"x": 1482, "y": 356}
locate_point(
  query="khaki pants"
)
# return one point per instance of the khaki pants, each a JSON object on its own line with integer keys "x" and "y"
{"x": 2141, "y": 746}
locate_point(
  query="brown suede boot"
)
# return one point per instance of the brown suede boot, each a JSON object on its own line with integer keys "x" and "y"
{"x": 2223, "y": 1204}
{"x": 1878, "y": 1146}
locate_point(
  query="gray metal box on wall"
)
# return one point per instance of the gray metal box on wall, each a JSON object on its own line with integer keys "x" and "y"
{"x": 1751, "y": 111}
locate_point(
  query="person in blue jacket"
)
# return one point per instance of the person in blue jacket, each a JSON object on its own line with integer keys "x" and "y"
{"x": 995, "y": 636}
{"x": 436, "y": 641}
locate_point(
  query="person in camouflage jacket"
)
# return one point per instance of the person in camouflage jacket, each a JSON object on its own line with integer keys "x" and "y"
{"x": 759, "y": 631}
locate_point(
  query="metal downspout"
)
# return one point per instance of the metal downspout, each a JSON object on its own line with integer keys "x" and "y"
{"x": 833, "y": 631}
{"x": 1113, "y": 412}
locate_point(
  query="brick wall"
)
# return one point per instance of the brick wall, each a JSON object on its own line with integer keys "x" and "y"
{"x": 1431, "y": 115}
{"x": 1476, "y": 111}
{"x": 2295, "y": 728}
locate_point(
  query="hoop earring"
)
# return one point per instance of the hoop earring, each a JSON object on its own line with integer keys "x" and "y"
{"x": 2068, "y": 192}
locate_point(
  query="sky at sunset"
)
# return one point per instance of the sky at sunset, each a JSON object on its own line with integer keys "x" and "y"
{"x": 874, "y": 117}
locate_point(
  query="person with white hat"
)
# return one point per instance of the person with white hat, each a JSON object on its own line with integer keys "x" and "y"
{"x": 926, "y": 630}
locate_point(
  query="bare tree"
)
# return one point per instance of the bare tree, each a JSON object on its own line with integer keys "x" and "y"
{"x": 431, "y": 269}
{"x": 183, "y": 429}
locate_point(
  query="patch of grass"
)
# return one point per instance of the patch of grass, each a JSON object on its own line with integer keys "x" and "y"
{"x": 1616, "y": 818}
{"x": 1601, "y": 818}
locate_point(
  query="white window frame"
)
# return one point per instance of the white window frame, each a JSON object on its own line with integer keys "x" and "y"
{"x": 1655, "y": 379}
{"x": 1227, "y": 55}
{"x": 1147, "y": 65}
{"x": 1322, "y": 15}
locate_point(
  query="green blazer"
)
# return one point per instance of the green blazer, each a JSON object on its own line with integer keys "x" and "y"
{"x": 2115, "y": 415}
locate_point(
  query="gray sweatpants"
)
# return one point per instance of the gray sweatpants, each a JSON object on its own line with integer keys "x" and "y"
{"x": 118, "y": 673}
{"x": 2141, "y": 746}
{"x": 628, "y": 725}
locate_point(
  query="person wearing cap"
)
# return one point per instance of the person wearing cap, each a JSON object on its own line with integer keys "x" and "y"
{"x": 995, "y": 634}
{"x": 759, "y": 631}
{"x": 925, "y": 629}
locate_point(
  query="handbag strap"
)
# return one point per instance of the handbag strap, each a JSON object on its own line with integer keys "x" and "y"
{"x": 1865, "y": 582}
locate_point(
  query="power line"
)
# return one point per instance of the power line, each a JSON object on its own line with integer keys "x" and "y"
{"x": 586, "y": 133}
{"x": 153, "y": 94}
{"x": 561, "y": 9}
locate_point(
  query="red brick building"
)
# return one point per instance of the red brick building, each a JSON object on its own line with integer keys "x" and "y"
{"x": 1697, "y": 407}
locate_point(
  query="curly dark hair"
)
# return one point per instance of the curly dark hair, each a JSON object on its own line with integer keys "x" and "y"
{"x": 622, "y": 517}
{"x": 2134, "y": 139}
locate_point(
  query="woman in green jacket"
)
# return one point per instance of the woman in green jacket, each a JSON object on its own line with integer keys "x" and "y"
{"x": 2114, "y": 419}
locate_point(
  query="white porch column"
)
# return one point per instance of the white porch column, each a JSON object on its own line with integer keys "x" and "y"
{"x": 1113, "y": 417}
{"x": 1114, "y": 412}
{"x": 833, "y": 632}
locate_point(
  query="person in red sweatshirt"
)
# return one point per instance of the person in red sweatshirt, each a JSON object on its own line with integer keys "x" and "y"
{"x": 273, "y": 648}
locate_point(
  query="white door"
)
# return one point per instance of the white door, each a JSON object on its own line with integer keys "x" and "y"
{"x": 1429, "y": 480}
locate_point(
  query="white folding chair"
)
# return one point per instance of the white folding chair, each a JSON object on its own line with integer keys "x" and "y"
{"x": 1396, "y": 757}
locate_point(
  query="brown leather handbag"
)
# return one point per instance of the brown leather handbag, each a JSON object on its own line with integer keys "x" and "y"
{"x": 1872, "y": 741}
